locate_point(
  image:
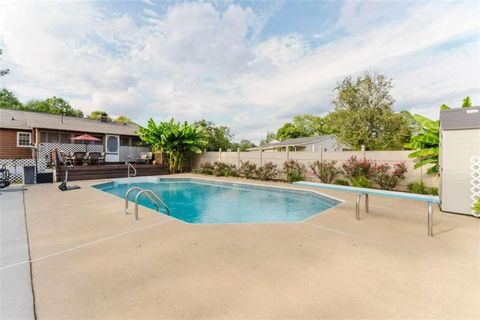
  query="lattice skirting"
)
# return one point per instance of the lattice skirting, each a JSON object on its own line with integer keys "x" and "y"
{"x": 475, "y": 181}
{"x": 15, "y": 166}
{"x": 131, "y": 153}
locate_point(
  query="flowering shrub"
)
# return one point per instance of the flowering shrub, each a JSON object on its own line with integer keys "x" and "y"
{"x": 326, "y": 171}
{"x": 267, "y": 172}
{"x": 294, "y": 170}
{"x": 247, "y": 170}
{"x": 355, "y": 168}
{"x": 223, "y": 169}
{"x": 206, "y": 168}
{"x": 389, "y": 179}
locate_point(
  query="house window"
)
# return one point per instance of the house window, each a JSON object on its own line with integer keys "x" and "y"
{"x": 24, "y": 139}
{"x": 65, "y": 138}
{"x": 125, "y": 141}
{"x": 53, "y": 137}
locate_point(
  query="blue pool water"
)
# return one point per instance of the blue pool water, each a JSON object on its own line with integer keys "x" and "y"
{"x": 201, "y": 201}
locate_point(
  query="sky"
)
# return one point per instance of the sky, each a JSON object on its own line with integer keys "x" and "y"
{"x": 249, "y": 65}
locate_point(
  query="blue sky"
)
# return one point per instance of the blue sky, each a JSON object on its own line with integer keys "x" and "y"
{"x": 250, "y": 65}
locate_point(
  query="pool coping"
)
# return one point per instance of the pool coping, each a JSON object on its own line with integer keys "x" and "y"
{"x": 219, "y": 182}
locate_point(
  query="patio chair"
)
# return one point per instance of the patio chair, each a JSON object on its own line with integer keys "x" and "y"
{"x": 144, "y": 157}
{"x": 92, "y": 157}
{"x": 79, "y": 157}
{"x": 101, "y": 158}
{"x": 66, "y": 158}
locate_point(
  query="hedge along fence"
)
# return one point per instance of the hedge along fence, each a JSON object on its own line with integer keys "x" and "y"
{"x": 278, "y": 158}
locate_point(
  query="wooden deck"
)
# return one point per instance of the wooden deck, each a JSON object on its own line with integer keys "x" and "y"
{"x": 107, "y": 171}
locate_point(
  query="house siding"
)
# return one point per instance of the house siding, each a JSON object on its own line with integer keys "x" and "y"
{"x": 8, "y": 145}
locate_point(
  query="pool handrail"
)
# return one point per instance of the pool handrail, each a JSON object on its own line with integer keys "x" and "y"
{"x": 386, "y": 193}
{"x": 149, "y": 194}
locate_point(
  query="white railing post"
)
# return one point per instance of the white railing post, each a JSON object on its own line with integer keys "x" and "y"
{"x": 238, "y": 157}
{"x": 362, "y": 150}
{"x": 220, "y": 155}
{"x": 261, "y": 156}
{"x": 287, "y": 155}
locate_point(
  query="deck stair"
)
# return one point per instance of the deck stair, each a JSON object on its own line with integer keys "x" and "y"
{"x": 109, "y": 171}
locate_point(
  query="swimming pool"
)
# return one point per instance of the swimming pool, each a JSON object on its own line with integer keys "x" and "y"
{"x": 206, "y": 201}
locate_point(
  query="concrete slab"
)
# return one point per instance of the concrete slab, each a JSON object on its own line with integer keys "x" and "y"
{"x": 93, "y": 262}
{"x": 16, "y": 297}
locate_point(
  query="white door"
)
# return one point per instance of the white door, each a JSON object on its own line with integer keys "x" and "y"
{"x": 112, "y": 146}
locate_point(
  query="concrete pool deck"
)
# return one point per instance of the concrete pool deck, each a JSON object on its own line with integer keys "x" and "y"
{"x": 89, "y": 261}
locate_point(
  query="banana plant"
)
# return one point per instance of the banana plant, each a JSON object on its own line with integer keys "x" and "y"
{"x": 176, "y": 140}
{"x": 426, "y": 142}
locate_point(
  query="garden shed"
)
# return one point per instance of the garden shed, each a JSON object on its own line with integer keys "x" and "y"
{"x": 459, "y": 159}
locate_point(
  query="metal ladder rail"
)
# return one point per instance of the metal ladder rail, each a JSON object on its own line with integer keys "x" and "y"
{"x": 151, "y": 193}
{"x": 138, "y": 189}
{"x": 129, "y": 165}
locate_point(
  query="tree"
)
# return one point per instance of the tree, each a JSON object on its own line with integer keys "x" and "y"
{"x": 243, "y": 145}
{"x": 363, "y": 114}
{"x": 176, "y": 140}
{"x": 306, "y": 125}
{"x": 218, "y": 137}
{"x": 8, "y": 100}
{"x": 96, "y": 115}
{"x": 53, "y": 105}
{"x": 123, "y": 119}
{"x": 268, "y": 138}
{"x": 3, "y": 71}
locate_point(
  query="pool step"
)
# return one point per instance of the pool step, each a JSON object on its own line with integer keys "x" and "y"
{"x": 109, "y": 171}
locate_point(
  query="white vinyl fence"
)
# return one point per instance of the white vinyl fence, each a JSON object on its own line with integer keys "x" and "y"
{"x": 278, "y": 158}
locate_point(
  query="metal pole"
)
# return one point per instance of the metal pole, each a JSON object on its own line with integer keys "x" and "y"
{"x": 261, "y": 160}
{"x": 367, "y": 209}
{"x": 430, "y": 219}
{"x": 238, "y": 157}
{"x": 357, "y": 206}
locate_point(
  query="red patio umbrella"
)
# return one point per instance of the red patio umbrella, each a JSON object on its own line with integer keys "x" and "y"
{"x": 85, "y": 137}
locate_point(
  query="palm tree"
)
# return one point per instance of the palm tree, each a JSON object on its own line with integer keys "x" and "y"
{"x": 175, "y": 139}
{"x": 426, "y": 143}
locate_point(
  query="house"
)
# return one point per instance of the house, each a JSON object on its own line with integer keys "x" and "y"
{"x": 459, "y": 159}
{"x": 27, "y": 138}
{"x": 324, "y": 143}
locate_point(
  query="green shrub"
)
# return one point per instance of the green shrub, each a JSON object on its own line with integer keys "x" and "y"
{"x": 267, "y": 172}
{"x": 294, "y": 170}
{"x": 206, "y": 168}
{"x": 326, "y": 171}
{"x": 248, "y": 170}
{"x": 362, "y": 182}
{"x": 476, "y": 207}
{"x": 420, "y": 188}
{"x": 433, "y": 191}
{"x": 341, "y": 182}
{"x": 389, "y": 179}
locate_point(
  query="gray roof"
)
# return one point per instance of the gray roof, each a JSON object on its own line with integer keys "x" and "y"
{"x": 15, "y": 119}
{"x": 460, "y": 119}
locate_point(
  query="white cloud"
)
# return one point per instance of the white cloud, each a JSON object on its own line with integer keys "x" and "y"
{"x": 198, "y": 61}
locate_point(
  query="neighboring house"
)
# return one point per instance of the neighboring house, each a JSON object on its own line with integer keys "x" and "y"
{"x": 459, "y": 159}
{"x": 29, "y": 136}
{"x": 324, "y": 143}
